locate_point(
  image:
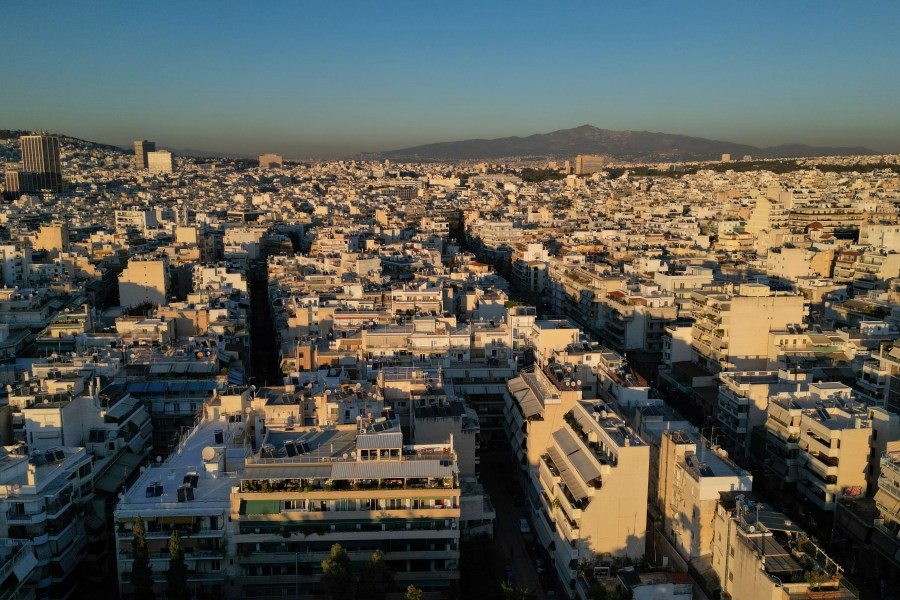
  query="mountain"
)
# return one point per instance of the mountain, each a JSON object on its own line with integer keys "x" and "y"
{"x": 622, "y": 145}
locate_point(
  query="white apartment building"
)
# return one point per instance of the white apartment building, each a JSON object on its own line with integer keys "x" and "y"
{"x": 731, "y": 330}
{"x": 257, "y": 523}
{"x": 144, "y": 280}
{"x": 692, "y": 476}
{"x": 818, "y": 443}
{"x": 43, "y": 496}
{"x": 160, "y": 161}
{"x": 591, "y": 487}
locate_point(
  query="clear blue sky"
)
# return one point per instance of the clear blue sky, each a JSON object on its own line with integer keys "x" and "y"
{"x": 334, "y": 78}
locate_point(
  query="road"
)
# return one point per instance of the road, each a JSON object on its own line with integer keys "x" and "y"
{"x": 509, "y": 548}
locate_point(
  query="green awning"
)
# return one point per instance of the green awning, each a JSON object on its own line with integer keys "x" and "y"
{"x": 260, "y": 507}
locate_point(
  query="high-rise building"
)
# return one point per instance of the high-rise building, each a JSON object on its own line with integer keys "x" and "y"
{"x": 160, "y": 161}
{"x": 40, "y": 157}
{"x": 141, "y": 148}
{"x": 16, "y": 182}
{"x": 585, "y": 164}
{"x": 269, "y": 161}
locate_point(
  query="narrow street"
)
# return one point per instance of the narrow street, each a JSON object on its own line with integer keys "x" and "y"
{"x": 509, "y": 549}
{"x": 263, "y": 347}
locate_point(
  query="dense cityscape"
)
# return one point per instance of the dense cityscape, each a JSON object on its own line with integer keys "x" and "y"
{"x": 525, "y": 378}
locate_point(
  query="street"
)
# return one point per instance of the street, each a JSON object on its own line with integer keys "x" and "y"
{"x": 509, "y": 548}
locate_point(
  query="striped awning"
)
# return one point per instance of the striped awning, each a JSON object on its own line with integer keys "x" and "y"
{"x": 393, "y": 469}
{"x": 570, "y": 478}
{"x": 887, "y": 503}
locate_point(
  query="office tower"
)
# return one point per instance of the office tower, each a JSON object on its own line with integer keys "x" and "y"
{"x": 141, "y": 148}
{"x": 160, "y": 161}
{"x": 585, "y": 164}
{"x": 268, "y": 161}
{"x": 16, "y": 183}
{"x": 40, "y": 156}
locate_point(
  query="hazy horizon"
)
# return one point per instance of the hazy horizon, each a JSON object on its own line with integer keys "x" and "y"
{"x": 333, "y": 81}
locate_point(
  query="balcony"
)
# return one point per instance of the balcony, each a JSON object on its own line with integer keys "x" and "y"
{"x": 788, "y": 436}
{"x": 816, "y": 445}
{"x": 26, "y": 518}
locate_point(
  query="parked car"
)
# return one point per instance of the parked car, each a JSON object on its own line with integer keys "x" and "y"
{"x": 524, "y": 528}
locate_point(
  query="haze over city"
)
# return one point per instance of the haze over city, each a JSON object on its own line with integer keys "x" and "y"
{"x": 336, "y": 79}
{"x": 417, "y": 301}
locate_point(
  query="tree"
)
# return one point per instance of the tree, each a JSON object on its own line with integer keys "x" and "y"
{"x": 337, "y": 576}
{"x": 510, "y": 591}
{"x": 413, "y": 593}
{"x": 141, "y": 572}
{"x": 377, "y": 579}
{"x": 176, "y": 577}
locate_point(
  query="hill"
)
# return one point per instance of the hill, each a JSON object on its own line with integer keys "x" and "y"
{"x": 622, "y": 145}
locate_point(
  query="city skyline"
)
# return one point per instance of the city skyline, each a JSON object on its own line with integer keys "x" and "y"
{"x": 317, "y": 82}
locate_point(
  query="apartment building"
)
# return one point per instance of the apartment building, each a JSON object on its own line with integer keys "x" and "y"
{"x": 743, "y": 402}
{"x": 731, "y": 329}
{"x": 693, "y": 474}
{"x": 144, "y": 280}
{"x": 817, "y": 444}
{"x": 17, "y": 563}
{"x": 534, "y": 406}
{"x": 759, "y": 554}
{"x": 44, "y": 496}
{"x": 263, "y": 522}
{"x": 589, "y": 497}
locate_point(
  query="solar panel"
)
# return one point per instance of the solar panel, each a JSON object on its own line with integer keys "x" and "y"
{"x": 303, "y": 448}
{"x": 191, "y": 479}
{"x": 54, "y": 456}
{"x": 290, "y": 449}
{"x": 219, "y": 436}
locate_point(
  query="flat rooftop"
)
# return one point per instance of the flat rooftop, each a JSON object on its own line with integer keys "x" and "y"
{"x": 156, "y": 490}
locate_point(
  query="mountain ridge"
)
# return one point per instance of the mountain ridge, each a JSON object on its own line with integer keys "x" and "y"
{"x": 646, "y": 146}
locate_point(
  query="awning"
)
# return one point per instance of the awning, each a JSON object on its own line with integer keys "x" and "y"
{"x": 530, "y": 405}
{"x": 570, "y": 478}
{"x": 260, "y": 507}
{"x": 177, "y": 520}
{"x": 887, "y": 503}
{"x": 393, "y": 469}
{"x": 115, "y": 477}
{"x": 583, "y": 463}
{"x": 516, "y": 384}
{"x": 586, "y": 466}
{"x": 576, "y": 488}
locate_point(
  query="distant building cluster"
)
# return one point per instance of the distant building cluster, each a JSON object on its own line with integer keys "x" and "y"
{"x": 691, "y": 383}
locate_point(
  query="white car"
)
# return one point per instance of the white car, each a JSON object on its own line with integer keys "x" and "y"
{"x": 523, "y": 526}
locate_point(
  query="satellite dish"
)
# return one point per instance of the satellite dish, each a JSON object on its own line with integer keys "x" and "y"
{"x": 158, "y": 459}
{"x": 209, "y": 453}
{"x": 143, "y": 468}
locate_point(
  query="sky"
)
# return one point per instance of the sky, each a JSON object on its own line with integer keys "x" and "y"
{"x": 331, "y": 79}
